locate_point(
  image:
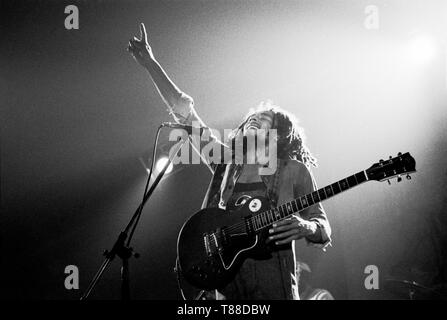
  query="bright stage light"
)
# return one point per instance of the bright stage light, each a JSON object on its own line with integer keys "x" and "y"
{"x": 422, "y": 48}
{"x": 161, "y": 163}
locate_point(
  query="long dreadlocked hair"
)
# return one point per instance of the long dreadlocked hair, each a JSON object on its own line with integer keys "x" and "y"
{"x": 291, "y": 138}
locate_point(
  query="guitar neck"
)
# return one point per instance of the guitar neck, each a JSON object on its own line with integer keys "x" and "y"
{"x": 267, "y": 218}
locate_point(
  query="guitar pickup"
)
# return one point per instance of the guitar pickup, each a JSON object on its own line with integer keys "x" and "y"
{"x": 214, "y": 241}
{"x": 206, "y": 241}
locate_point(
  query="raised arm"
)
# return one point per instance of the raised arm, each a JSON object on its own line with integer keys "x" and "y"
{"x": 180, "y": 105}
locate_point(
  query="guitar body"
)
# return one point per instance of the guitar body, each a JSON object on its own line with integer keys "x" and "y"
{"x": 213, "y": 243}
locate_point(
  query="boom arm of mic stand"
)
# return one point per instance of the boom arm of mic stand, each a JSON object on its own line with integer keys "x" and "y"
{"x": 119, "y": 248}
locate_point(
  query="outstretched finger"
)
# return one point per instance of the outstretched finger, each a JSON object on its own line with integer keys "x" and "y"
{"x": 143, "y": 32}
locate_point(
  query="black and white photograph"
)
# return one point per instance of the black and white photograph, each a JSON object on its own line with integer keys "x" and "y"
{"x": 244, "y": 151}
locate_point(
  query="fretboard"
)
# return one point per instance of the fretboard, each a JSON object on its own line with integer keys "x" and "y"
{"x": 267, "y": 218}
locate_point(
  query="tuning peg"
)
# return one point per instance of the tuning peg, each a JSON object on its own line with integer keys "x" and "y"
{"x": 408, "y": 177}
{"x": 389, "y": 182}
{"x": 399, "y": 178}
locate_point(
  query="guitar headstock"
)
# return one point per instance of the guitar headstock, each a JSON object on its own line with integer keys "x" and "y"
{"x": 393, "y": 167}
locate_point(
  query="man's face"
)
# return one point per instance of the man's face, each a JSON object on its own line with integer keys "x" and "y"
{"x": 259, "y": 120}
{"x": 261, "y": 141}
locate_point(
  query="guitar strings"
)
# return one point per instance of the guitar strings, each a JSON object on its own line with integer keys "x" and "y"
{"x": 268, "y": 215}
{"x": 241, "y": 225}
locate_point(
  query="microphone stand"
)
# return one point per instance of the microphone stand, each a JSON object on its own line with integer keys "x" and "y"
{"x": 120, "y": 248}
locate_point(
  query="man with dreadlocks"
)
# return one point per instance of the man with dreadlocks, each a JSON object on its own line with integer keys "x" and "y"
{"x": 273, "y": 276}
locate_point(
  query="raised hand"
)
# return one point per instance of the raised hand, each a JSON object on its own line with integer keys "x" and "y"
{"x": 139, "y": 48}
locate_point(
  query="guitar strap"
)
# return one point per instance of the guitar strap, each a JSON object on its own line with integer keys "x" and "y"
{"x": 272, "y": 185}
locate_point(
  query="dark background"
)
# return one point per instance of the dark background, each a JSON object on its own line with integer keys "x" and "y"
{"x": 79, "y": 116}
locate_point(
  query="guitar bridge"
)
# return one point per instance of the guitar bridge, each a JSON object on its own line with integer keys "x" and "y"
{"x": 214, "y": 241}
{"x": 211, "y": 243}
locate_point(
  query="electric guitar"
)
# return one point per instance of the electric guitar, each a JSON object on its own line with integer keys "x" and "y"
{"x": 213, "y": 243}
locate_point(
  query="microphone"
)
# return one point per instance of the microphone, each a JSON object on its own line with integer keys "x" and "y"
{"x": 185, "y": 127}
